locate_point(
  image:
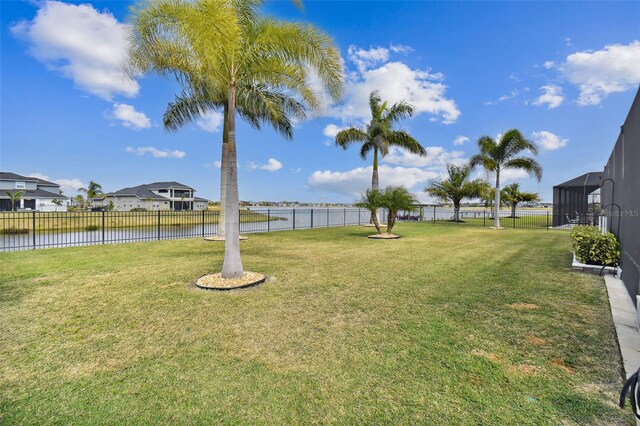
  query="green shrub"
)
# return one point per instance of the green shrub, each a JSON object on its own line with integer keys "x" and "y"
{"x": 138, "y": 209}
{"x": 91, "y": 228}
{"x": 14, "y": 231}
{"x": 593, "y": 247}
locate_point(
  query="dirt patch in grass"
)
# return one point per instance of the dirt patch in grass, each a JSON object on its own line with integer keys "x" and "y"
{"x": 525, "y": 369}
{"x": 521, "y": 306}
{"x": 563, "y": 366}
{"x": 535, "y": 340}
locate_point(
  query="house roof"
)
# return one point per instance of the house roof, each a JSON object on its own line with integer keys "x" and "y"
{"x": 38, "y": 193}
{"x": 144, "y": 191}
{"x": 15, "y": 176}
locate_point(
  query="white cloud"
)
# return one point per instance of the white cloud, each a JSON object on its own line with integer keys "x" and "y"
{"x": 364, "y": 59}
{"x": 332, "y": 130}
{"x": 400, "y": 48}
{"x": 397, "y": 82}
{"x": 513, "y": 94}
{"x": 83, "y": 44}
{"x": 437, "y": 157}
{"x": 599, "y": 73}
{"x": 552, "y": 96}
{"x": 549, "y": 141}
{"x": 354, "y": 182}
{"x": 68, "y": 186}
{"x": 460, "y": 140}
{"x": 272, "y": 165}
{"x": 211, "y": 121}
{"x": 155, "y": 152}
{"x": 215, "y": 165}
{"x": 129, "y": 117}
{"x": 549, "y": 64}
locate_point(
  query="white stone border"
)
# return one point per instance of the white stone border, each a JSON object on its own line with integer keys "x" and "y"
{"x": 593, "y": 269}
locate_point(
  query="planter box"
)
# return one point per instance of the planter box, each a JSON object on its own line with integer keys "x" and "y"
{"x": 576, "y": 265}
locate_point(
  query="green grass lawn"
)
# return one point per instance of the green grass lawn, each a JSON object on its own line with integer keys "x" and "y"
{"x": 448, "y": 325}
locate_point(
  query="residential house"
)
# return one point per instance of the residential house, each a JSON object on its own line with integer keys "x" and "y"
{"x": 153, "y": 196}
{"x": 37, "y": 194}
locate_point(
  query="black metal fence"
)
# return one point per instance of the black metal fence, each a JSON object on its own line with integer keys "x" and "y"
{"x": 32, "y": 230}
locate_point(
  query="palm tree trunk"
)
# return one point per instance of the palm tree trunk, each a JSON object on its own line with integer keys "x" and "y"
{"x": 375, "y": 184}
{"x": 223, "y": 171}
{"x": 456, "y": 212}
{"x": 374, "y": 218}
{"x": 391, "y": 220}
{"x": 513, "y": 209}
{"x": 232, "y": 264}
{"x": 496, "y": 223}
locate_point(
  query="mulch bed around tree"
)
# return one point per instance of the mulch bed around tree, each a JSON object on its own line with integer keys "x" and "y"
{"x": 216, "y": 282}
{"x": 221, "y": 238}
{"x": 384, "y": 236}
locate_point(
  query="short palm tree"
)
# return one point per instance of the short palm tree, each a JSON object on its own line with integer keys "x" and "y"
{"x": 57, "y": 203}
{"x": 372, "y": 200}
{"x": 396, "y": 198}
{"x": 224, "y": 46}
{"x": 379, "y": 134}
{"x": 497, "y": 156}
{"x": 457, "y": 188}
{"x": 512, "y": 197}
{"x": 14, "y": 198}
{"x": 92, "y": 190}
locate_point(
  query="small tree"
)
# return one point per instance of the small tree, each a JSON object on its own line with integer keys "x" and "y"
{"x": 512, "y": 197}
{"x": 57, "y": 203}
{"x": 372, "y": 200}
{"x": 93, "y": 190}
{"x": 457, "y": 188}
{"x": 14, "y": 198}
{"x": 111, "y": 206}
{"x": 80, "y": 202}
{"x": 394, "y": 199}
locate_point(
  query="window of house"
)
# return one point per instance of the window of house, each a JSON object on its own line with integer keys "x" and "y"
{"x": 21, "y": 185}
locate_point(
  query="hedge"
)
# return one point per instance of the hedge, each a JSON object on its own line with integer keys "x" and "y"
{"x": 593, "y": 247}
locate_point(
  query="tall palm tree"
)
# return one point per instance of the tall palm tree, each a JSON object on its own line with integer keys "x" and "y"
{"x": 497, "y": 156}
{"x": 512, "y": 197}
{"x": 14, "y": 197}
{"x": 224, "y": 46}
{"x": 394, "y": 199}
{"x": 93, "y": 190}
{"x": 255, "y": 103}
{"x": 372, "y": 200}
{"x": 379, "y": 134}
{"x": 457, "y": 187}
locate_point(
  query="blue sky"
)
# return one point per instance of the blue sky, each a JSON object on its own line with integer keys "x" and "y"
{"x": 564, "y": 73}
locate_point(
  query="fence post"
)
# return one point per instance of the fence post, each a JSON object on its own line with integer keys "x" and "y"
{"x": 344, "y": 219}
{"x": 203, "y": 223}
{"x": 514, "y": 221}
{"x": 158, "y": 224}
{"x": 311, "y": 218}
{"x": 33, "y": 222}
{"x": 268, "y": 220}
{"x": 484, "y": 218}
{"x": 102, "y": 226}
{"x": 434, "y": 214}
{"x": 327, "y": 218}
{"x": 358, "y": 216}
{"x": 294, "y": 219}
{"x": 547, "y": 220}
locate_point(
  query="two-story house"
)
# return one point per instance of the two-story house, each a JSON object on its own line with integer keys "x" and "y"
{"x": 37, "y": 194}
{"x": 154, "y": 196}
